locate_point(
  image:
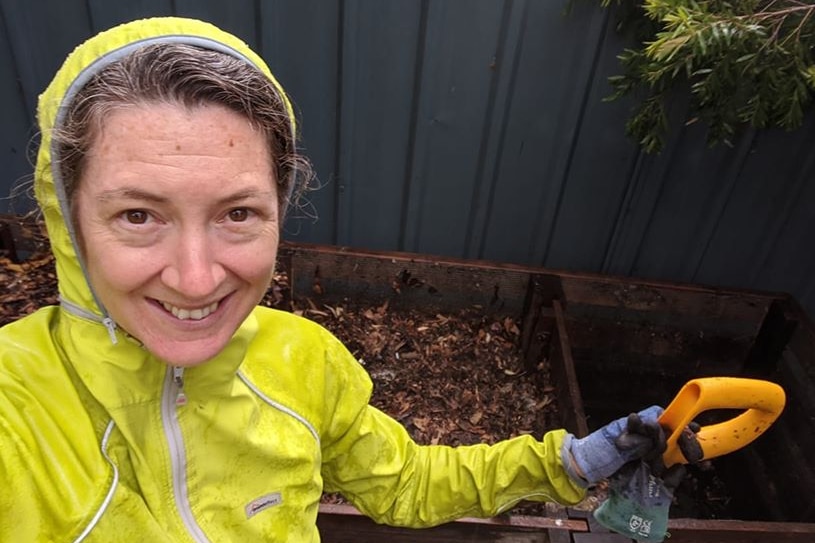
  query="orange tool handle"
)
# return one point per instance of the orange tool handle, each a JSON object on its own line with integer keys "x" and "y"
{"x": 762, "y": 402}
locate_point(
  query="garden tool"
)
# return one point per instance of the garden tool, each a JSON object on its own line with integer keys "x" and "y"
{"x": 641, "y": 493}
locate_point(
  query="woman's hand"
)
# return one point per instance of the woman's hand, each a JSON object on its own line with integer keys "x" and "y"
{"x": 603, "y": 452}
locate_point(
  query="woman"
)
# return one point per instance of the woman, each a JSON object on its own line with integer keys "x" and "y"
{"x": 158, "y": 402}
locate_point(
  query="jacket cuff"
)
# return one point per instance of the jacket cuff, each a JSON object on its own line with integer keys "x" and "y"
{"x": 567, "y": 458}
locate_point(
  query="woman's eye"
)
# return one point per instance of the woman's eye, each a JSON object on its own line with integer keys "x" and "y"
{"x": 238, "y": 215}
{"x": 136, "y": 216}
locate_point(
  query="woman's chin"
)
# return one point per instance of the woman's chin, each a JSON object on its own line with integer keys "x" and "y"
{"x": 188, "y": 353}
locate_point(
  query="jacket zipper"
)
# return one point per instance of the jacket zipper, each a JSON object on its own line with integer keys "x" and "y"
{"x": 173, "y": 397}
{"x": 79, "y": 311}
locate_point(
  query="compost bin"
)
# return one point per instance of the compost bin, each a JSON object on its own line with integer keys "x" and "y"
{"x": 611, "y": 345}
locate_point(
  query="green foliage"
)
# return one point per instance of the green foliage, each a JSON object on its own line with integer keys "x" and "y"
{"x": 747, "y": 62}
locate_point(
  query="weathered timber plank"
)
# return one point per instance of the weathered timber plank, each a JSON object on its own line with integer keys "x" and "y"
{"x": 734, "y": 531}
{"x": 570, "y": 401}
{"x": 772, "y": 338}
{"x": 404, "y": 280}
{"x": 666, "y": 297}
{"x": 601, "y": 537}
{"x": 16, "y": 237}
{"x": 537, "y": 320}
{"x": 447, "y": 281}
{"x": 345, "y": 524}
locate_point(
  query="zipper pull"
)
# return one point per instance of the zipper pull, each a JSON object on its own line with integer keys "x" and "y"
{"x": 178, "y": 379}
{"x": 111, "y": 326}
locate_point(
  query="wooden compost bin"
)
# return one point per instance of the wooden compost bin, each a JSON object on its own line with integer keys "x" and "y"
{"x": 614, "y": 345}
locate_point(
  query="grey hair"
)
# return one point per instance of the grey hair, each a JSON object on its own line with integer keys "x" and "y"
{"x": 187, "y": 75}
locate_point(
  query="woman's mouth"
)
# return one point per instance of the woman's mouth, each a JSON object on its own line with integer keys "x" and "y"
{"x": 195, "y": 314}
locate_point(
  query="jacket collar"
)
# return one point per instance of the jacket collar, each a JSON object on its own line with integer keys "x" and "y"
{"x": 126, "y": 374}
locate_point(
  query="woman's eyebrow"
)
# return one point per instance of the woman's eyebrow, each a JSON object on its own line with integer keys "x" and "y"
{"x": 131, "y": 193}
{"x": 135, "y": 193}
{"x": 246, "y": 195}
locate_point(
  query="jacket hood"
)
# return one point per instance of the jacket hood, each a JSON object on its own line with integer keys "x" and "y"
{"x": 76, "y": 294}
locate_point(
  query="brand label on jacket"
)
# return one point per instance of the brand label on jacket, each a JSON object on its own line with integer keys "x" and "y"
{"x": 264, "y": 502}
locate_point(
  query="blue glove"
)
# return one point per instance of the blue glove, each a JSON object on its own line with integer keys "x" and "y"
{"x": 602, "y": 453}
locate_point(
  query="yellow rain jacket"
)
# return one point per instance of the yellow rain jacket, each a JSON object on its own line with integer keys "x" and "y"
{"x": 100, "y": 441}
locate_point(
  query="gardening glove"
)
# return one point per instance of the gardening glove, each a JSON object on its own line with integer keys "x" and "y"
{"x": 638, "y": 501}
{"x": 602, "y": 453}
{"x": 641, "y": 493}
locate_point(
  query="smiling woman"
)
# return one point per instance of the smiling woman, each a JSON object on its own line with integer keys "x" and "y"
{"x": 158, "y": 401}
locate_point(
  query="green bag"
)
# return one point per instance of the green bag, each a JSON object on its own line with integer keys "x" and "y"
{"x": 637, "y": 505}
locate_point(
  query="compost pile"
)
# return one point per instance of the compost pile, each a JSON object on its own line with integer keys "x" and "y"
{"x": 449, "y": 378}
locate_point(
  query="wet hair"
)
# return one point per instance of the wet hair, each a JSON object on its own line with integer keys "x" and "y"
{"x": 174, "y": 73}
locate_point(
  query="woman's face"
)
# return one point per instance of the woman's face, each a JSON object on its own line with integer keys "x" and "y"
{"x": 178, "y": 217}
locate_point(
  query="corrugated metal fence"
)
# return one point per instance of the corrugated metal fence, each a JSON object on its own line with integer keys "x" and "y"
{"x": 477, "y": 129}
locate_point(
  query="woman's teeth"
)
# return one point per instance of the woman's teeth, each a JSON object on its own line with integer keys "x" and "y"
{"x": 190, "y": 314}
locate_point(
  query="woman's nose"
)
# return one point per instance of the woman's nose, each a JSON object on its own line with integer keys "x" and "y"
{"x": 194, "y": 269}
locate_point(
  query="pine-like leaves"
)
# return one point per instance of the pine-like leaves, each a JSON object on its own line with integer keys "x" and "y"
{"x": 746, "y": 62}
